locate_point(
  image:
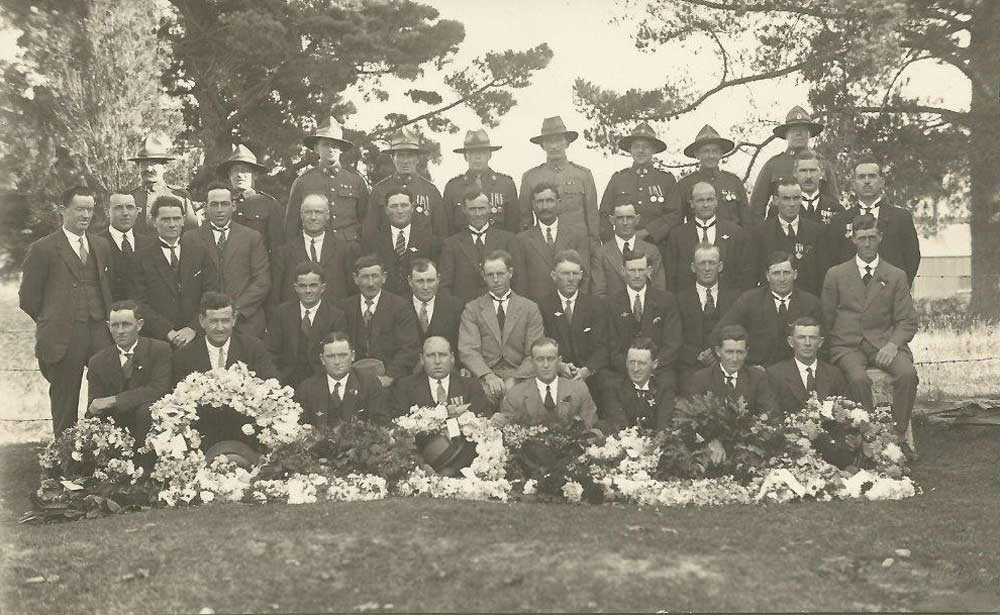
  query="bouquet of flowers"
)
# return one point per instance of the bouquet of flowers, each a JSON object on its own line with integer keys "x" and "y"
{"x": 549, "y": 461}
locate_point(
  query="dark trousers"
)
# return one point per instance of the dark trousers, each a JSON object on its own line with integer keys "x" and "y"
{"x": 904, "y": 381}
{"x": 66, "y": 375}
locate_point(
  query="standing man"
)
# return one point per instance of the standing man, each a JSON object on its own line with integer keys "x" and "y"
{"x": 797, "y": 130}
{"x": 795, "y": 380}
{"x": 539, "y": 245}
{"x": 650, "y": 190}
{"x": 871, "y": 319}
{"x": 463, "y": 253}
{"x": 437, "y": 313}
{"x": 789, "y": 232}
{"x": 573, "y": 182}
{"x": 240, "y": 259}
{"x": 152, "y": 159}
{"x": 66, "y": 289}
{"x": 639, "y": 399}
{"x": 125, "y": 242}
{"x": 816, "y": 205}
{"x": 402, "y": 241}
{"x": 438, "y": 383}
{"x": 701, "y": 306}
{"x": 709, "y": 148}
{"x": 613, "y": 254}
{"x": 731, "y": 379}
{"x": 498, "y": 329}
{"x": 254, "y": 209}
{"x": 501, "y": 194}
{"x": 898, "y": 244}
{"x": 345, "y": 191}
{"x": 428, "y": 207}
{"x": 171, "y": 275}
{"x": 706, "y": 227}
{"x": 340, "y": 392}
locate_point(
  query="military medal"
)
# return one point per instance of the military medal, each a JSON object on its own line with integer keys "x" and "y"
{"x": 847, "y": 230}
{"x": 799, "y": 251}
{"x": 827, "y": 215}
{"x": 656, "y": 194}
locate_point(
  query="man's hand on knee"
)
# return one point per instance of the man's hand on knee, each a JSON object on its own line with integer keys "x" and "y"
{"x": 886, "y": 355}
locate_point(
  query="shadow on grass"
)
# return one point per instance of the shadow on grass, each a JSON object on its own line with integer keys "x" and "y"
{"x": 421, "y": 554}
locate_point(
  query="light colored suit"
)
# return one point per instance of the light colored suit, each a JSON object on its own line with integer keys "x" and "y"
{"x": 244, "y": 273}
{"x": 484, "y": 349}
{"x": 611, "y": 261}
{"x": 523, "y": 404}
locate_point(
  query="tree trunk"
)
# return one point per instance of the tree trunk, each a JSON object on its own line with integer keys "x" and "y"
{"x": 984, "y": 154}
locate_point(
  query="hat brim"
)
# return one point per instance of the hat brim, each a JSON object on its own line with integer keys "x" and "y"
{"x": 691, "y": 151}
{"x": 477, "y": 148}
{"x": 404, "y": 148}
{"x": 571, "y": 135}
{"x": 160, "y": 158}
{"x": 312, "y": 140}
{"x": 626, "y": 143}
{"x": 223, "y": 168}
{"x": 814, "y": 128}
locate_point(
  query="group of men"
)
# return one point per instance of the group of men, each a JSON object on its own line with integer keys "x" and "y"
{"x": 534, "y": 304}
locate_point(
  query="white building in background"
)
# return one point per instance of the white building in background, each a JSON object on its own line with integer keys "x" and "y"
{"x": 945, "y": 263}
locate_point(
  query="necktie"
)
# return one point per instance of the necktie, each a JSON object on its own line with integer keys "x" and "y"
{"x": 479, "y": 181}
{"x": 126, "y": 246}
{"x": 809, "y": 205}
{"x": 550, "y": 404}
{"x": 709, "y": 302}
{"x": 627, "y": 250}
{"x": 548, "y": 236}
{"x": 568, "y": 311}
{"x": 336, "y": 392}
{"x": 424, "y": 320}
{"x": 313, "y": 255}
{"x": 173, "y": 253}
{"x": 222, "y": 239}
{"x": 868, "y": 275}
{"x": 442, "y": 395}
{"x": 704, "y": 230}
{"x": 791, "y": 232}
{"x": 810, "y": 380}
{"x": 782, "y": 307}
{"x": 306, "y": 323}
{"x": 222, "y": 357}
{"x": 83, "y": 251}
{"x": 501, "y": 316}
{"x": 127, "y": 365}
{"x": 400, "y": 244}
{"x": 369, "y": 304}
{"x": 637, "y": 308}
{"x": 731, "y": 382}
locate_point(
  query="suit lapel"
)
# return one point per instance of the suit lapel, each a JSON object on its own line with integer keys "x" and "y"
{"x": 69, "y": 255}
{"x": 514, "y": 313}
{"x": 162, "y": 267}
{"x": 349, "y": 403}
{"x": 615, "y": 258}
{"x": 490, "y": 316}
{"x": 794, "y": 379}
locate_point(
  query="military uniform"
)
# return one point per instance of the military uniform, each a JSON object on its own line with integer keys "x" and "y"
{"x": 348, "y": 195}
{"x": 654, "y": 193}
{"x": 729, "y": 191}
{"x": 262, "y": 213}
{"x": 499, "y": 190}
{"x": 428, "y": 207}
{"x": 783, "y": 165}
{"x": 144, "y": 196}
{"x": 576, "y": 191}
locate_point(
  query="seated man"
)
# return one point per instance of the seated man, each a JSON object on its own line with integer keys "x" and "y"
{"x": 436, "y": 311}
{"x": 439, "y": 383}
{"x": 340, "y": 392}
{"x": 700, "y": 307}
{"x": 497, "y": 330}
{"x": 640, "y": 398}
{"x": 125, "y": 379}
{"x": 795, "y": 380}
{"x": 730, "y": 378}
{"x": 871, "y": 319}
{"x": 298, "y": 327}
{"x": 547, "y": 399}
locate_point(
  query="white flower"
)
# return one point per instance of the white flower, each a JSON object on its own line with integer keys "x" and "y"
{"x": 893, "y": 453}
{"x": 573, "y": 491}
{"x": 206, "y": 496}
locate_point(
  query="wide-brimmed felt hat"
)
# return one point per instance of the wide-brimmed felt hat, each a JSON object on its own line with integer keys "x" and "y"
{"x": 554, "y": 126}
{"x": 707, "y": 135}
{"x": 241, "y": 153}
{"x": 404, "y": 140}
{"x": 798, "y": 117}
{"x": 642, "y": 131}
{"x": 156, "y": 146}
{"x": 330, "y": 130}
{"x": 476, "y": 140}
{"x": 240, "y": 453}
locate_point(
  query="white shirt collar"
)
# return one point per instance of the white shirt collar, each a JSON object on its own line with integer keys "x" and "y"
{"x": 621, "y": 243}
{"x": 554, "y": 387}
{"x": 307, "y": 238}
{"x": 213, "y": 351}
{"x": 117, "y": 236}
{"x": 563, "y": 299}
{"x": 787, "y": 298}
{"x": 312, "y": 310}
{"x": 130, "y": 349}
{"x": 218, "y": 231}
{"x": 784, "y": 223}
{"x": 419, "y": 302}
{"x": 405, "y": 231}
{"x": 802, "y": 370}
{"x": 554, "y": 226}
{"x": 374, "y": 300}
{"x": 632, "y": 293}
{"x": 331, "y": 383}
{"x": 862, "y": 264}
{"x": 643, "y": 387}
{"x": 810, "y": 197}
{"x": 727, "y": 374}
{"x": 481, "y": 231}
{"x": 445, "y": 382}
{"x": 496, "y": 299}
{"x": 874, "y": 205}
{"x": 701, "y": 292}
{"x": 708, "y": 222}
{"x": 74, "y": 240}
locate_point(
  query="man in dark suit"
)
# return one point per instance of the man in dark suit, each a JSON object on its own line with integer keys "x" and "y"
{"x": 639, "y": 399}
{"x": 705, "y": 227}
{"x": 899, "y": 246}
{"x": 817, "y": 205}
{"x": 401, "y": 241}
{"x": 124, "y": 379}
{"x": 380, "y": 324}
{"x": 463, "y": 253}
{"x": 579, "y": 322}
{"x": 438, "y": 382}
{"x": 240, "y": 256}
{"x": 730, "y": 378}
{"x": 340, "y": 392}
{"x": 766, "y": 311}
{"x": 624, "y": 241}
{"x": 171, "y": 275}
{"x": 437, "y": 313}
{"x": 125, "y": 242}
{"x": 66, "y": 289}
{"x": 298, "y": 327}
{"x": 314, "y": 244}
{"x": 539, "y": 244}
{"x": 871, "y": 320}
{"x": 792, "y": 233}
{"x": 701, "y": 307}
{"x": 795, "y": 380}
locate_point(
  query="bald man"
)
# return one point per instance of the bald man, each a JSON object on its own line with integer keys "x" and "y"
{"x": 438, "y": 382}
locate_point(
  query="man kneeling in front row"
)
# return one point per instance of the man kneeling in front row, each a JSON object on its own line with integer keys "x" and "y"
{"x": 797, "y": 379}
{"x": 340, "y": 392}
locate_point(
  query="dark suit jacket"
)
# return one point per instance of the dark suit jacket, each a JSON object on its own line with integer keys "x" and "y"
{"x": 769, "y": 236}
{"x": 768, "y": 334}
{"x": 732, "y": 243}
{"x": 789, "y": 391}
{"x": 415, "y": 390}
{"x": 661, "y": 321}
{"x": 827, "y": 207}
{"x": 170, "y": 300}
{"x": 534, "y": 261}
{"x": 751, "y": 385}
{"x": 461, "y": 261}
{"x": 397, "y": 269}
{"x": 363, "y": 399}
{"x": 50, "y": 279}
{"x": 612, "y": 263}
{"x": 899, "y": 246}
{"x": 584, "y": 341}
{"x": 251, "y": 351}
{"x": 622, "y": 407}
{"x": 122, "y": 288}
{"x": 244, "y": 272}
{"x": 337, "y": 260}
{"x": 393, "y": 336}
{"x": 697, "y": 328}
{"x": 445, "y": 320}
{"x": 284, "y": 339}
{"x": 149, "y": 382}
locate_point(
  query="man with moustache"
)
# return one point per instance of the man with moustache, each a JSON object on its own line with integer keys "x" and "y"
{"x": 437, "y": 312}
{"x": 125, "y": 242}
{"x": 152, "y": 159}
{"x": 790, "y": 232}
{"x": 438, "y": 383}
{"x": 816, "y": 204}
{"x": 709, "y": 148}
{"x": 340, "y": 392}
{"x": 254, "y": 209}
{"x": 624, "y": 242}
{"x": 499, "y": 189}
{"x": 402, "y": 240}
{"x": 795, "y": 380}
{"x": 701, "y": 306}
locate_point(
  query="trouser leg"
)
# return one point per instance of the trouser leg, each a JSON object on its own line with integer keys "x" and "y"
{"x": 854, "y": 365}
{"x": 904, "y": 390}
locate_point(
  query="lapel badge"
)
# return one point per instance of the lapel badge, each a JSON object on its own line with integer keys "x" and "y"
{"x": 847, "y": 230}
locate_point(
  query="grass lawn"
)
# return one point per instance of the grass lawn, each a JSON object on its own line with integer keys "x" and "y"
{"x": 433, "y": 555}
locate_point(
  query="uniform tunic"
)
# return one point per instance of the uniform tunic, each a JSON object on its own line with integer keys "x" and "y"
{"x": 144, "y": 196}
{"x": 348, "y": 195}
{"x": 732, "y": 196}
{"x": 783, "y": 165}
{"x": 654, "y": 193}
{"x": 576, "y": 190}
{"x": 262, "y": 213}
{"x": 427, "y": 205}
{"x": 499, "y": 190}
